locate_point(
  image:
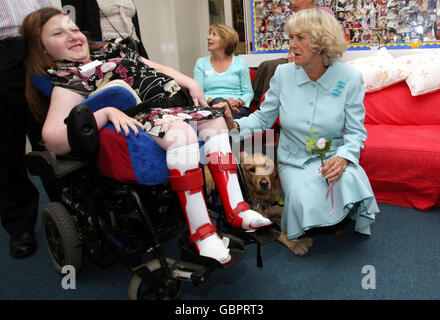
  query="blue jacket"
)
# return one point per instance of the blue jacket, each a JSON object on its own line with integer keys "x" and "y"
{"x": 333, "y": 106}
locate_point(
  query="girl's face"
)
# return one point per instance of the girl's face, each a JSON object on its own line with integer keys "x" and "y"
{"x": 62, "y": 40}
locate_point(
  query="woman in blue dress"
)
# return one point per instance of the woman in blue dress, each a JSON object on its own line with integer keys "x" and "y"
{"x": 319, "y": 94}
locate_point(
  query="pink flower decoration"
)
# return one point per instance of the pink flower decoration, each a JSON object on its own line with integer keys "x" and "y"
{"x": 320, "y": 144}
{"x": 115, "y": 60}
{"x": 108, "y": 66}
{"x": 196, "y": 115}
{"x": 63, "y": 74}
{"x": 122, "y": 71}
{"x": 129, "y": 81}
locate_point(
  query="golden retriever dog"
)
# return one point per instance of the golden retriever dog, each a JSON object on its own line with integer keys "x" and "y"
{"x": 264, "y": 189}
{"x": 263, "y": 184}
{"x": 262, "y": 181}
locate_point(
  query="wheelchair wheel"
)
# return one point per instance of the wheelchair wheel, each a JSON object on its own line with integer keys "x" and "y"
{"x": 61, "y": 237}
{"x": 170, "y": 289}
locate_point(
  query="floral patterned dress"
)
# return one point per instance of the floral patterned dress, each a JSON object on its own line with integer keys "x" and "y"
{"x": 114, "y": 62}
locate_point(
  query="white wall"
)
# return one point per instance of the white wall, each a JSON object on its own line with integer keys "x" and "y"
{"x": 174, "y": 31}
{"x": 192, "y": 22}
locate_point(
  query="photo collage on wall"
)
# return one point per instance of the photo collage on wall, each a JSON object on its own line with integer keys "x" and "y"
{"x": 365, "y": 22}
{"x": 268, "y": 24}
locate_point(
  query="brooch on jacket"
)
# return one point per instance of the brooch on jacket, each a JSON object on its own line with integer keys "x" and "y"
{"x": 340, "y": 85}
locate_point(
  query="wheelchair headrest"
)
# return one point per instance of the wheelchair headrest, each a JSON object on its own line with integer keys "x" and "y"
{"x": 42, "y": 83}
{"x": 82, "y": 132}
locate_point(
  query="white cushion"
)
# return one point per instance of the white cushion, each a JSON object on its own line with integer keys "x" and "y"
{"x": 378, "y": 70}
{"x": 423, "y": 71}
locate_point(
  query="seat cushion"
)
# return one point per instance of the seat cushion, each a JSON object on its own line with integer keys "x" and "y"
{"x": 131, "y": 159}
{"x": 127, "y": 159}
{"x": 403, "y": 164}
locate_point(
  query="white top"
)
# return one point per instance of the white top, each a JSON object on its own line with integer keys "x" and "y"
{"x": 13, "y": 12}
{"x": 120, "y": 13}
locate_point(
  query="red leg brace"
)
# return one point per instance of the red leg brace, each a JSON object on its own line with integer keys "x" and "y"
{"x": 219, "y": 165}
{"x": 193, "y": 182}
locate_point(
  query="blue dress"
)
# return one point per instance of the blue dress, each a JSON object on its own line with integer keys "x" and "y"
{"x": 333, "y": 106}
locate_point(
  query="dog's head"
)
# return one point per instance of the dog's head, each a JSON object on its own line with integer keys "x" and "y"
{"x": 261, "y": 177}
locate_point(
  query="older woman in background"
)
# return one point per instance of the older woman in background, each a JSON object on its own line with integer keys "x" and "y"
{"x": 267, "y": 68}
{"x": 224, "y": 76}
{"x": 320, "y": 94}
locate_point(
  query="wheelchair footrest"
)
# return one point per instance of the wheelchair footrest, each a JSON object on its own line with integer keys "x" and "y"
{"x": 189, "y": 253}
{"x": 262, "y": 235}
{"x": 191, "y": 271}
{"x": 259, "y": 236}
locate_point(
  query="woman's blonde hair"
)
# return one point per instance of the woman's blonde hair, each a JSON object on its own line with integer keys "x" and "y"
{"x": 326, "y": 33}
{"x": 228, "y": 36}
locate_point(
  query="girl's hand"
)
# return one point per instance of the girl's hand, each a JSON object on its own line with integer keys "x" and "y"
{"x": 197, "y": 94}
{"x": 334, "y": 168}
{"x": 122, "y": 122}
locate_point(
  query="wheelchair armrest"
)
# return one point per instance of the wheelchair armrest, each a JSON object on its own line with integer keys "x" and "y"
{"x": 82, "y": 132}
{"x": 45, "y": 164}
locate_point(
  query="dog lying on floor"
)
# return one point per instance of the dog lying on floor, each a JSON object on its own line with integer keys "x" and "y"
{"x": 263, "y": 184}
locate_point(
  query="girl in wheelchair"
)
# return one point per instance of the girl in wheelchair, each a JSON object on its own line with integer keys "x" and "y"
{"x": 58, "y": 49}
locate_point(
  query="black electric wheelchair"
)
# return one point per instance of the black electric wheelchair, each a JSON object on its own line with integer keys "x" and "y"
{"x": 107, "y": 220}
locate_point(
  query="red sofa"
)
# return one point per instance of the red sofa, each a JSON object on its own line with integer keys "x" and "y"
{"x": 402, "y": 152}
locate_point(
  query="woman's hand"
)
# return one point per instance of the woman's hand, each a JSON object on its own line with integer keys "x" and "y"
{"x": 227, "y": 114}
{"x": 235, "y": 104}
{"x": 334, "y": 168}
{"x": 121, "y": 121}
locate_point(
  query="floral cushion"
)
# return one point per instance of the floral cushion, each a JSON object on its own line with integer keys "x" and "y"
{"x": 423, "y": 71}
{"x": 378, "y": 70}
